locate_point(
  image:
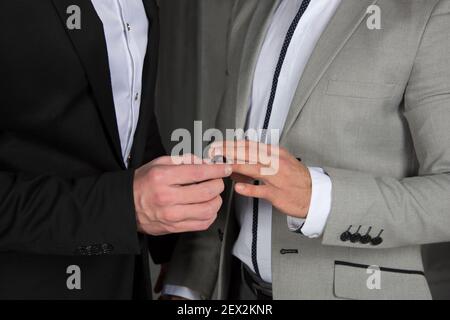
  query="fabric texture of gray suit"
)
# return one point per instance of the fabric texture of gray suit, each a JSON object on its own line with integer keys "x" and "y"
{"x": 373, "y": 110}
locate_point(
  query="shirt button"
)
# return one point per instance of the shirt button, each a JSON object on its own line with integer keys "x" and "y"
{"x": 128, "y": 27}
{"x": 136, "y": 97}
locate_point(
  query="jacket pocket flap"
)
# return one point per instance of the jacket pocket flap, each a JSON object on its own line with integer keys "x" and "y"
{"x": 364, "y": 282}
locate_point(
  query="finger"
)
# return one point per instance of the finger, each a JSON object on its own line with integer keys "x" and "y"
{"x": 160, "y": 229}
{"x": 191, "y": 226}
{"x": 241, "y": 144}
{"x": 187, "y": 159}
{"x": 167, "y": 160}
{"x": 234, "y": 144}
{"x": 254, "y": 191}
{"x": 198, "y": 212}
{"x": 252, "y": 171}
{"x": 232, "y": 150}
{"x": 187, "y": 174}
{"x": 201, "y": 192}
{"x": 245, "y": 152}
{"x": 184, "y": 226}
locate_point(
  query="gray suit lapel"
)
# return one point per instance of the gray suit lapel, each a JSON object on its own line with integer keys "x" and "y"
{"x": 259, "y": 25}
{"x": 348, "y": 17}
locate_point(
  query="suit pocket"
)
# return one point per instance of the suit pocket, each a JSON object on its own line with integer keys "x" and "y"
{"x": 360, "y": 89}
{"x": 364, "y": 282}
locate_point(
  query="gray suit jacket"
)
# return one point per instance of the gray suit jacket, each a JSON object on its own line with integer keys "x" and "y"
{"x": 372, "y": 109}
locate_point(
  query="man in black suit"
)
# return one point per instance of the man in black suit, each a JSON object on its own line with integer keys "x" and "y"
{"x": 81, "y": 186}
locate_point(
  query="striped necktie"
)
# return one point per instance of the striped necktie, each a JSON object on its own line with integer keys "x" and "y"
{"x": 287, "y": 42}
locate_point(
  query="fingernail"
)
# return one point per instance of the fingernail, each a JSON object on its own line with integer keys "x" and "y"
{"x": 228, "y": 170}
{"x": 240, "y": 187}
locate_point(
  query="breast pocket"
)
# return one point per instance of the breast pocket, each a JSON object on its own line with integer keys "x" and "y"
{"x": 364, "y": 282}
{"x": 360, "y": 89}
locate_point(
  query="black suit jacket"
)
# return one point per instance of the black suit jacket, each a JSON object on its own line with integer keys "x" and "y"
{"x": 65, "y": 195}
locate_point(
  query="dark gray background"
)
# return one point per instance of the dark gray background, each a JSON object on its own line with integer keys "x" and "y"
{"x": 192, "y": 62}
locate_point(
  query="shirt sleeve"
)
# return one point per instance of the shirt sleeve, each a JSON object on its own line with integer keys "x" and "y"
{"x": 183, "y": 292}
{"x": 314, "y": 225}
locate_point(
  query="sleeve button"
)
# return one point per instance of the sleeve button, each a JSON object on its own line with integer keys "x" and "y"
{"x": 354, "y": 238}
{"x": 377, "y": 241}
{"x": 346, "y": 236}
{"x": 366, "y": 239}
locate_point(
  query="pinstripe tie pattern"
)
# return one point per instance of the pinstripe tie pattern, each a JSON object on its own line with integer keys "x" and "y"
{"x": 273, "y": 93}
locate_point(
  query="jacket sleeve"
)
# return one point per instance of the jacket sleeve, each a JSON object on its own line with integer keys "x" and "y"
{"x": 42, "y": 214}
{"x": 414, "y": 210}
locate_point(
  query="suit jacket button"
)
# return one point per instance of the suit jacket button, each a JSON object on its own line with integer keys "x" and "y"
{"x": 366, "y": 239}
{"x": 346, "y": 236}
{"x": 377, "y": 241}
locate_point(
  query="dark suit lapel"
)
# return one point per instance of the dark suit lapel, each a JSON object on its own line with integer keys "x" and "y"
{"x": 90, "y": 44}
{"x": 348, "y": 17}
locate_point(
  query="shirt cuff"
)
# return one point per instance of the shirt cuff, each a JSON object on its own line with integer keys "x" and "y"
{"x": 178, "y": 291}
{"x": 320, "y": 208}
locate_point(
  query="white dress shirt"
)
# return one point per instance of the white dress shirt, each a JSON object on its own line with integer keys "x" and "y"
{"x": 308, "y": 32}
{"x": 125, "y": 26}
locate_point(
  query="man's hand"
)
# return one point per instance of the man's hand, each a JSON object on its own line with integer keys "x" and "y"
{"x": 288, "y": 188}
{"x": 173, "y": 198}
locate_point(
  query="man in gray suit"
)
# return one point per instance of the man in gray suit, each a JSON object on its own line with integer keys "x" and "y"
{"x": 360, "y": 90}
